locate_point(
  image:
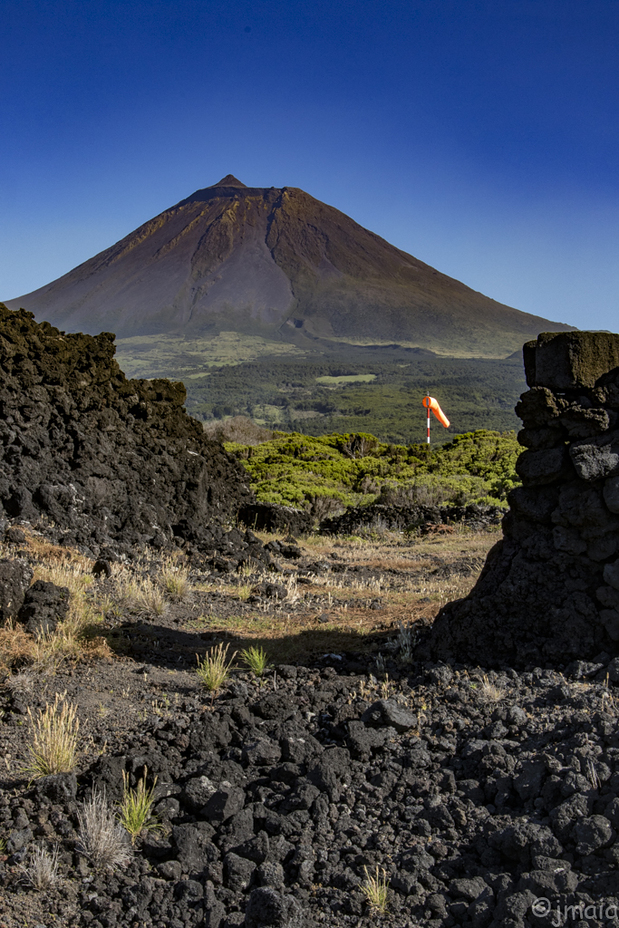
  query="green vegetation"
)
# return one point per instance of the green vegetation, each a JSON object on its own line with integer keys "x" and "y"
{"x": 135, "y": 813}
{"x": 193, "y": 357}
{"x": 286, "y": 395}
{"x": 347, "y": 378}
{"x": 347, "y": 388}
{"x": 256, "y": 659}
{"x": 214, "y": 669}
{"x": 354, "y": 469}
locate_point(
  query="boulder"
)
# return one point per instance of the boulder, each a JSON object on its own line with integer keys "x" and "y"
{"x": 45, "y": 605}
{"x": 15, "y": 577}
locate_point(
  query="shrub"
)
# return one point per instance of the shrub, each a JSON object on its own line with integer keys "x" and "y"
{"x": 322, "y": 474}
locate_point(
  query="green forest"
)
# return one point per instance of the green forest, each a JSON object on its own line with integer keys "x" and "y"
{"x": 377, "y": 394}
{"x": 329, "y": 388}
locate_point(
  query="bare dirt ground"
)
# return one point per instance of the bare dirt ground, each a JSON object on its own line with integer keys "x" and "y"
{"x": 144, "y": 627}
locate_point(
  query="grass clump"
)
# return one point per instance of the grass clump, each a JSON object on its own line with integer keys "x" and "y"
{"x": 214, "y": 669}
{"x": 138, "y": 593}
{"x": 135, "y": 814}
{"x": 20, "y": 684}
{"x": 243, "y": 591}
{"x": 150, "y": 597}
{"x": 54, "y": 739}
{"x": 41, "y": 871}
{"x": 375, "y": 889}
{"x": 256, "y": 659}
{"x": 406, "y": 639}
{"x": 174, "y": 579}
{"x": 489, "y": 691}
{"x": 101, "y": 837}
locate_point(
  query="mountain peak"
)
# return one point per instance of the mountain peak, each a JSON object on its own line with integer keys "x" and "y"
{"x": 229, "y": 181}
{"x": 249, "y": 259}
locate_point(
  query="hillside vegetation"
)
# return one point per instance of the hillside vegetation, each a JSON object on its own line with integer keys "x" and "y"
{"x": 340, "y": 470}
{"x": 292, "y": 394}
{"x": 351, "y": 389}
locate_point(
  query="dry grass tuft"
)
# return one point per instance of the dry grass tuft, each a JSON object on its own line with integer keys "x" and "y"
{"x": 151, "y": 598}
{"x": 490, "y": 692}
{"x": 54, "y": 739}
{"x": 139, "y": 593}
{"x": 74, "y": 635}
{"x": 41, "y": 871}
{"x": 101, "y": 837}
{"x": 20, "y": 684}
{"x": 406, "y": 641}
{"x": 77, "y": 577}
{"x": 174, "y": 579}
{"x": 376, "y": 889}
{"x": 16, "y": 647}
{"x": 45, "y": 551}
{"x": 293, "y": 594}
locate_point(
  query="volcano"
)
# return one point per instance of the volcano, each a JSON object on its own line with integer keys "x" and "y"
{"x": 281, "y": 264}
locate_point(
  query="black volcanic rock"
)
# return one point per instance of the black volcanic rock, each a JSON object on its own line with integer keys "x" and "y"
{"x": 45, "y": 604}
{"x": 279, "y": 263}
{"x": 549, "y": 591}
{"x": 484, "y": 805}
{"x": 15, "y": 577}
{"x": 101, "y": 457}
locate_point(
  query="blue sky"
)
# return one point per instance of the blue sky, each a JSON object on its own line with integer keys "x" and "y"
{"x": 479, "y": 135}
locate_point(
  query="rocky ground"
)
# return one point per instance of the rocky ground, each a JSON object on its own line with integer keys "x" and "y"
{"x": 473, "y": 797}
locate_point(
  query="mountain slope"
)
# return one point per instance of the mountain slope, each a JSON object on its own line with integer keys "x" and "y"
{"x": 278, "y": 263}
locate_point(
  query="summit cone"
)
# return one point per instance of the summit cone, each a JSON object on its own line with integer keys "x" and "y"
{"x": 281, "y": 264}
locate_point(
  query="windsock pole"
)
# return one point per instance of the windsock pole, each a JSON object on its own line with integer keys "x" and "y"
{"x": 432, "y": 405}
{"x": 428, "y": 438}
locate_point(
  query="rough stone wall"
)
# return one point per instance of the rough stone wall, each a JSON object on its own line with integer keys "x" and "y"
{"x": 549, "y": 592}
{"x": 100, "y": 457}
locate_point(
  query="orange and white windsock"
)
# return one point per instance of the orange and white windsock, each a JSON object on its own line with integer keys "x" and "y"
{"x": 431, "y": 404}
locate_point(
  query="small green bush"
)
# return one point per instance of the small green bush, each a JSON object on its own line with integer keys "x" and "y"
{"x": 214, "y": 669}
{"x": 135, "y": 813}
{"x": 256, "y": 659}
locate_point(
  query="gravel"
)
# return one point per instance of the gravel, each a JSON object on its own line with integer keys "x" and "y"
{"x": 478, "y": 793}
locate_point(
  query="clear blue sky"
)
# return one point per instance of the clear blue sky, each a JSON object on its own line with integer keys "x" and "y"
{"x": 479, "y": 135}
